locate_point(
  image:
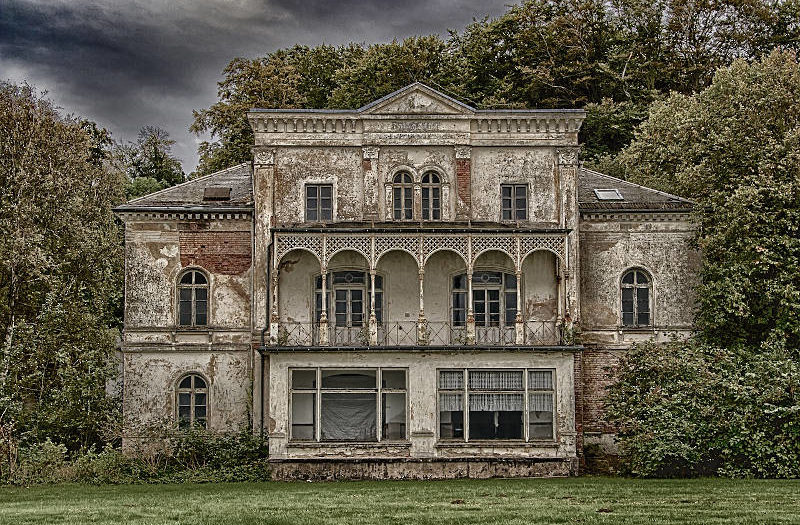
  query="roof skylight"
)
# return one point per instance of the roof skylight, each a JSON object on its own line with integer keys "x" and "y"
{"x": 608, "y": 194}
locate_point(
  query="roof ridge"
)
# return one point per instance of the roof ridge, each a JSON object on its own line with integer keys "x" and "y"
{"x": 191, "y": 181}
{"x": 671, "y": 195}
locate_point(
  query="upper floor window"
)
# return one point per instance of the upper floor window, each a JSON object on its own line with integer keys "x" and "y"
{"x": 349, "y": 295}
{"x": 494, "y": 299}
{"x": 193, "y": 299}
{"x": 431, "y": 197}
{"x": 319, "y": 202}
{"x": 514, "y": 202}
{"x": 403, "y": 196}
{"x": 192, "y": 402}
{"x": 636, "y": 285}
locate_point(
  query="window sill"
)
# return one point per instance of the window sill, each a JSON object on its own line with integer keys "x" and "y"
{"x": 362, "y": 444}
{"x": 496, "y": 443}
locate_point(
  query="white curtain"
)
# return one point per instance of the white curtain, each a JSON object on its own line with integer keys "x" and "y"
{"x": 451, "y": 380}
{"x": 540, "y": 402}
{"x": 451, "y": 402}
{"x": 540, "y": 380}
{"x": 495, "y": 380}
{"x": 496, "y": 403}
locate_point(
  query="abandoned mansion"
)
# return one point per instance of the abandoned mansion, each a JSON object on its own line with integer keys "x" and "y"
{"x": 415, "y": 288}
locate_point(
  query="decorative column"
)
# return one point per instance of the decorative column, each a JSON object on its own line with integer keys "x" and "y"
{"x": 519, "y": 323}
{"x": 463, "y": 156}
{"x": 369, "y": 165}
{"x": 373, "y": 320}
{"x": 470, "y": 313}
{"x": 263, "y": 181}
{"x": 568, "y": 173}
{"x": 323, "y": 316}
{"x": 274, "y": 319}
{"x": 422, "y": 323}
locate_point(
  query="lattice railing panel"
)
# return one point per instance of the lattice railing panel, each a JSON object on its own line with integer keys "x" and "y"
{"x": 356, "y": 242}
{"x": 504, "y": 243}
{"x": 285, "y": 243}
{"x": 433, "y": 243}
{"x": 532, "y": 243}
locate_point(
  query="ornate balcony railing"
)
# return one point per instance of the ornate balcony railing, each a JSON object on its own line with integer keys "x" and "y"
{"x": 412, "y": 333}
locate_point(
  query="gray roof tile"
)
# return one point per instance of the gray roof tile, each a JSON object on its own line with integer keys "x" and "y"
{"x": 634, "y": 196}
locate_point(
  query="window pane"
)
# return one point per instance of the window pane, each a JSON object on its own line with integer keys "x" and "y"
{"x": 199, "y": 412}
{"x": 487, "y": 277}
{"x": 519, "y": 192}
{"x": 185, "y": 294}
{"x": 349, "y": 379}
{"x": 199, "y": 278}
{"x": 627, "y": 319}
{"x": 311, "y": 191}
{"x": 506, "y": 213}
{"x": 643, "y": 319}
{"x": 394, "y": 416}
{"x": 627, "y": 299}
{"x": 379, "y": 306}
{"x": 184, "y": 399}
{"x": 451, "y": 380}
{"x": 540, "y": 416}
{"x": 394, "y": 379}
{"x": 201, "y": 294}
{"x": 451, "y": 416}
{"x": 201, "y": 319}
{"x": 511, "y": 281}
{"x": 348, "y": 417}
{"x": 200, "y": 308}
{"x": 185, "y": 313}
{"x": 311, "y": 213}
{"x": 186, "y": 382}
{"x": 460, "y": 282}
{"x": 642, "y": 300}
{"x": 521, "y": 212}
{"x": 540, "y": 379}
{"x": 326, "y": 213}
{"x": 187, "y": 278}
{"x": 304, "y": 378}
{"x": 199, "y": 382}
{"x": 511, "y": 308}
{"x": 326, "y": 191}
{"x": 506, "y": 191}
{"x": 495, "y": 380}
{"x": 628, "y": 278}
{"x": 495, "y": 416}
{"x": 303, "y": 411}
{"x": 641, "y": 278}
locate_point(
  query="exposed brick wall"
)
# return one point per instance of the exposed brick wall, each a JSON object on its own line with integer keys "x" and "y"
{"x": 598, "y": 373}
{"x": 463, "y": 178}
{"x": 223, "y": 252}
{"x": 366, "y": 164}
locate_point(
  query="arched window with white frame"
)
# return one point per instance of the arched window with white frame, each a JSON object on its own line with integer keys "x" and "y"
{"x": 637, "y": 287}
{"x": 192, "y": 402}
{"x": 192, "y": 299}
{"x": 431, "y": 196}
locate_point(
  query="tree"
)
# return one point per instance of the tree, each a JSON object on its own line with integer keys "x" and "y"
{"x": 148, "y": 162}
{"x": 735, "y": 149}
{"x": 60, "y": 272}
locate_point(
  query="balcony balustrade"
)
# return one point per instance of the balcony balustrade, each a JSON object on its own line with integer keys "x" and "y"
{"x": 411, "y": 333}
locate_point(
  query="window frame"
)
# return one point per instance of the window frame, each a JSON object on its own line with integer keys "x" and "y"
{"x": 179, "y": 286}
{"x": 432, "y": 188}
{"x": 635, "y": 286}
{"x": 192, "y": 391}
{"x": 380, "y": 287}
{"x": 317, "y": 186}
{"x": 513, "y": 209}
{"x": 317, "y": 390}
{"x": 504, "y": 293}
{"x": 406, "y": 192}
{"x": 526, "y": 392}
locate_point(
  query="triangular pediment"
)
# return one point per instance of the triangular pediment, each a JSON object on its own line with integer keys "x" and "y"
{"x": 416, "y": 99}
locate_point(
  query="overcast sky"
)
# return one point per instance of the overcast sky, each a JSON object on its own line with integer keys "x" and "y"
{"x": 131, "y": 63}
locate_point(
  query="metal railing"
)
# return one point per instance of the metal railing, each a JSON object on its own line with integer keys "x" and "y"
{"x": 407, "y": 333}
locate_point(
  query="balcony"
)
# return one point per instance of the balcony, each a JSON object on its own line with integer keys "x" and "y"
{"x": 413, "y": 334}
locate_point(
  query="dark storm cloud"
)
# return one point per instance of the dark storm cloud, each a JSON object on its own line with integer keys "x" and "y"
{"x": 127, "y": 64}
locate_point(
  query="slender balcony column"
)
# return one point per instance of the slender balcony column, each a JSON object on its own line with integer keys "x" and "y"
{"x": 274, "y": 319}
{"x": 373, "y": 320}
{"x": 470, "y": 313}
{"x": 323, "y": 316}
{"x": 422, "y": 323}
{"x": 519, "y": 324}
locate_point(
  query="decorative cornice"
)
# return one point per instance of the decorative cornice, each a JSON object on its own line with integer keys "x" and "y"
{"x": 636, "y": 215}
{"x": 177, "y": 215}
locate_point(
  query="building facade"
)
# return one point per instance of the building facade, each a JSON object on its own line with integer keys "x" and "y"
{"x": 416, "y": 288}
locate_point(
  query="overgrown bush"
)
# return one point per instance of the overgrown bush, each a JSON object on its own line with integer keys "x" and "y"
{"x": 693, "y": 409}
{"x": 193, "y": 455}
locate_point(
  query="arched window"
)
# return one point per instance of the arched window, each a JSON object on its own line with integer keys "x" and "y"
{"x": 403, "y": 196}
{"x": 193, "y": 299}
{"x": 349, "y": 296}
{"x": 431, "y": 197}
{"x": 494, "y": 299}
{"x": 192, "y": 402}
{"x": 636, "y": 286}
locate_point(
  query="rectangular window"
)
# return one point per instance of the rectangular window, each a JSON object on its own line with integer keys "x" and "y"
{"x": 348, "y": 404}
{"x": 479, "y": 405}
{"x": 514, "y": 202}
{"x": 319, "y": 202}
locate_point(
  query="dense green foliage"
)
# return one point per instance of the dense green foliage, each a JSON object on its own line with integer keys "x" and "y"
{"x": 148, "y": 163}
{"x": 613, "y": 58}
{"x": 178, "y": 456}
{"x": 586, "y": 500}
{"x": 728, "y": 401}
{"x": 60, "y": 269}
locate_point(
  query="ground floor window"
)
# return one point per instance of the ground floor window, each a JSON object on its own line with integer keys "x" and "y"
{"x": 348, "y": 404}
{"x": 496, "y": 404}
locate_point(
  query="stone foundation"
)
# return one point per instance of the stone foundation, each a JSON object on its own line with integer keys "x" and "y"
{"x": 330, "y": 469}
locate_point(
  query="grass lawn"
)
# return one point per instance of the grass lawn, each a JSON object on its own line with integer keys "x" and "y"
{"x": 520, "y": 501}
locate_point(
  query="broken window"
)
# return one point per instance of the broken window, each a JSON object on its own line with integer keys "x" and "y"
{"x": 636, "y": 299}
{"x": 192, "y": 299}
{"x": 431, "y": 197}
{"x": 514, "y": 199}
{"x": 192, "y": 402}
{"x": 403, "y": 196}
{"x": 319, "y": 202}
{"x": 360, "y": 405}
{"x": 493, "y": 405}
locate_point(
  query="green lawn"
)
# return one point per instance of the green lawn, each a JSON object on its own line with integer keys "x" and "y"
{"x": 574, "y": 500}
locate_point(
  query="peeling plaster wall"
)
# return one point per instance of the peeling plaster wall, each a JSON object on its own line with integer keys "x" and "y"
{"x": 662, "y": 247}
{"x": 151, "y": 380}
